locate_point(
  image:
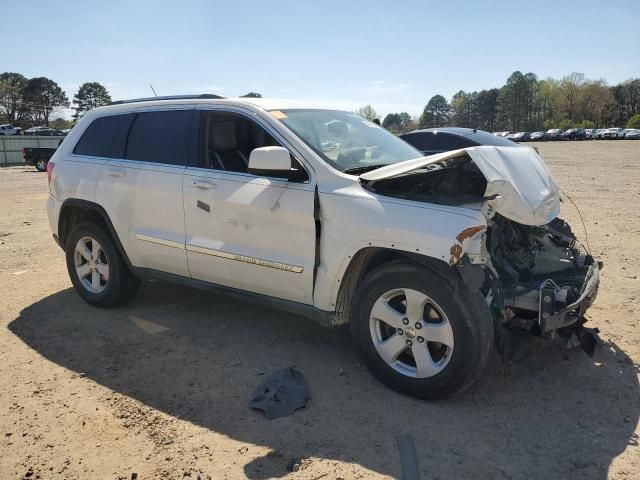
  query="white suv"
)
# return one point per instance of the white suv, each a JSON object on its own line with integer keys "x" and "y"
{"x": 432, "y": 260}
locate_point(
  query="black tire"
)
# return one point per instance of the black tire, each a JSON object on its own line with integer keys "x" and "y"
{"x": 472, "y": 327}
{"x": 120, "y": 286}
{"x": 41, "y": 165}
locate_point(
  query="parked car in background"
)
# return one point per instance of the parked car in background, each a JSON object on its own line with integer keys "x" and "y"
{"x": 538, "y": 136}
{"x": 502, "y": 134}
{"x": 437, "y": 140}
{"x": 632, "y": 134}
{"x": 519, "y": 137}
{"x": 38, "y": 156}
{"x": 599, "y": 135}
{"x": 42, "y": 131}
{"x": 574, "y": 134}
{"x": 614, "y": 133}
{"x": 8, "y": 129}
{"x": 555, "y": 134}
{"x": 590, "y": 133}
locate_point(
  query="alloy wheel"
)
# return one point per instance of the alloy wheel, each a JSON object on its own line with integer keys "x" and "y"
{"x": 91, "y": 265}
{"x": 411, "y": 333}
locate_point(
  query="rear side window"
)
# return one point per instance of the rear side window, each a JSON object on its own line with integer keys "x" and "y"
{"x": 160, "y": 137}
{"x": 105, "y": 137}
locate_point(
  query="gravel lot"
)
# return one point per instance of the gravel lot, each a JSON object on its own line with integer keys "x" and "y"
{"x": 160, "y": 388}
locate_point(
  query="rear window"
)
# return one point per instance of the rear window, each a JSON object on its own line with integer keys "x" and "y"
{"x": 481, "y": 137}
{"x": 440, "y": 141}
{"x": 160, "y": 137}
{"x": 105, "y": 137}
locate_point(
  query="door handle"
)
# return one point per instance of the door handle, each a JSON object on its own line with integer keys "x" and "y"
{"x": 204, "y": 184}
{"x": 115, "y": 172}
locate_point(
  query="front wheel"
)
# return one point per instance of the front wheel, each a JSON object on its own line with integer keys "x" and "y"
{"x": 416, "y": 335}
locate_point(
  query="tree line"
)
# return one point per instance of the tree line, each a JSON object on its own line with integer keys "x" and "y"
{"x": 25, "y": 102}
{"x": 525, "y": 103}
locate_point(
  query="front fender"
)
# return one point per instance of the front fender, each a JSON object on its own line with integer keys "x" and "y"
{"x": 442, "y": 233}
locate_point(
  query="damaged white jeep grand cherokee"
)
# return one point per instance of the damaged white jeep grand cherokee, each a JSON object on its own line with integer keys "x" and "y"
{"x": 432, "y": 260}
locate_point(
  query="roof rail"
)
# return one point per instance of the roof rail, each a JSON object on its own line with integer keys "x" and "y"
{"x": 204, "y": 96}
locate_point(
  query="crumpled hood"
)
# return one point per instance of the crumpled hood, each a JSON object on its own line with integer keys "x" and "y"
{"x": 517, "y": 177}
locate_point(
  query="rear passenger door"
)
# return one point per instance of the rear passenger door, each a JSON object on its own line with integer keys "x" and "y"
{"x": 141, "y": 189}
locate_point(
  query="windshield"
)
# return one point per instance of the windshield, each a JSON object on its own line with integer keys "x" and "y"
{"x": 345, "y": 140}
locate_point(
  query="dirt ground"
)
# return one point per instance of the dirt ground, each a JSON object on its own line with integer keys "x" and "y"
{"x": 159, "y": 388}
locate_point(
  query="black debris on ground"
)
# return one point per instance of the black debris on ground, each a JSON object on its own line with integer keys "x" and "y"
{"x": 280, "y": 394}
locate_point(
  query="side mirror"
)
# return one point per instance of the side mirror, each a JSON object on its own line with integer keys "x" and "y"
{"x": 273, "y": 162}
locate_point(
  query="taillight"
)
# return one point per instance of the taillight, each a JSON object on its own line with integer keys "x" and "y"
{"x": 50, "y": 166}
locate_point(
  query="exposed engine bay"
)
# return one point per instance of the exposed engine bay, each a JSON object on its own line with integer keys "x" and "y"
{"x": 537, "y": 278}
{"x": 455, "y": 181}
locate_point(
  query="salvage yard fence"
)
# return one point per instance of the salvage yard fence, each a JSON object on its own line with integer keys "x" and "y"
{"x": 11, "y": 147}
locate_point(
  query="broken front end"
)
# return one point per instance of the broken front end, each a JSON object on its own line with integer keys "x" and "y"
{"x": 543, "y": 281}
{"x": 535, "y": 276}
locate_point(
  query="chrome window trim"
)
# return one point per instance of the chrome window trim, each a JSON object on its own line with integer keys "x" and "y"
{"x": 195, "y": 172}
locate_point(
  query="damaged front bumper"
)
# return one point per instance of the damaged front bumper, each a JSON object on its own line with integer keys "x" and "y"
{"x": 551, "y": 320}
{"x": 538, "y": 282}
{"x": 564, "y": 322}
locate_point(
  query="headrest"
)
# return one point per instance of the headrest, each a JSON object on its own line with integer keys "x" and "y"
{"x": 223, "y": 136}
{"x": 337, "y": 128}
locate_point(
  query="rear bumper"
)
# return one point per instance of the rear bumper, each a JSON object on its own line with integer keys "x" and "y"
{"x": 572, "y": 313}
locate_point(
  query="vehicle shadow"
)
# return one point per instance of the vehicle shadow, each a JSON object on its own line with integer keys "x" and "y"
{"x": 197, "y": 357}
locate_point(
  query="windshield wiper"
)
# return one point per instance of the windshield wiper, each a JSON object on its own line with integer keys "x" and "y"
{"x": 365, "y": 168}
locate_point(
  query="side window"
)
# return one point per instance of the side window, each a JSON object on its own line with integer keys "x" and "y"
{"x": 160, "y": 137}
{"x": 227, "y": 139}
{"x": 422, "y": 141}
{"x": 105, "y": 137}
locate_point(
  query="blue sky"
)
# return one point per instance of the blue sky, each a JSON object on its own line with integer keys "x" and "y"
{"x": 392, "y": 55}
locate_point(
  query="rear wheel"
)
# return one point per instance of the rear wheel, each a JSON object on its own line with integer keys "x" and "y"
{"x": 96, "y": 268}
{"x": 416, "y": 335}
{"x": 41, "y": 165}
